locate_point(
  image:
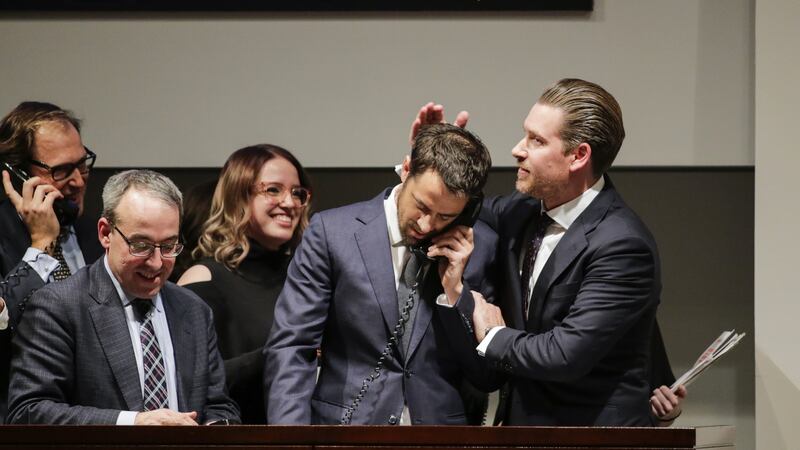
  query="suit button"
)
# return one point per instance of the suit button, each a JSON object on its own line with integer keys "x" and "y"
{"x": 393, "y": 420}
{"x": 408, "y": 373}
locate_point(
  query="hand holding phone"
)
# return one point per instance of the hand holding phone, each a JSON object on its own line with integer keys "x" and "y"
{"x": 34, "y": 203}
{"x": 452, "y": 250}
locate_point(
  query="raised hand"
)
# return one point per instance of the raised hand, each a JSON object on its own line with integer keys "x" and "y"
{"x": 35, "y": 205}
{"x": 432, "y": 113}
{"x": 454, "y": 246}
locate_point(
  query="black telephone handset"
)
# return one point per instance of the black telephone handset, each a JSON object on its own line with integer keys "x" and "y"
{"x": 468, "y": 217}
{"x": 66, "y": 210}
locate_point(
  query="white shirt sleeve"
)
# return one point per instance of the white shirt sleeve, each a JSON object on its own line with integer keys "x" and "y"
{"x": 42, "y": 263}
{"x": 4, "y": 317}
{"x": 441, "y": 300}
{"x": 484, "y": 345}
{"x": 126, "y": 417}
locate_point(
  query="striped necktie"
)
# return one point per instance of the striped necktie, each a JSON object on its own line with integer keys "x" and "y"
{"x": 155, "y": 376}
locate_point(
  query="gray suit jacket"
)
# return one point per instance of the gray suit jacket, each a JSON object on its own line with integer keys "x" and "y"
{"x": 340, "y": 295}
{"x": 19, "y": 280}
{"x": 74, "y": 360}
{"x": 581, "y": 358}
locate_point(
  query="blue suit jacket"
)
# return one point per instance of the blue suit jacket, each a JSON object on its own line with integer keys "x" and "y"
{"x": 74, "y": 360}
{"x": 581, "y": 358}
{"x": 340, "y": 295}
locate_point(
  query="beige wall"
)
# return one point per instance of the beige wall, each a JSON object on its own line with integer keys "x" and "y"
{"x": 777, "y": 306}
{"x": 340, "y": 90}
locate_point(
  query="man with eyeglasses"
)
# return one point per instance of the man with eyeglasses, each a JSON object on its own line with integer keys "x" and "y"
{"x": 116, "y": 343}
{"x": 42, "y": 236}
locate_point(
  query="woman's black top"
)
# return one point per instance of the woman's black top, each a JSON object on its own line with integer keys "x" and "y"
{"x": 243, "y": 302}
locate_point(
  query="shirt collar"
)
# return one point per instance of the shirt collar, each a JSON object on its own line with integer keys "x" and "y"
{"x": 124, "y": 296}
{"x": 392, "y": 222}
{"x": 567, "y": 213}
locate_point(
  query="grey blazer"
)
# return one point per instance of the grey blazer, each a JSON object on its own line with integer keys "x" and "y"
{"x": 340, "y": 295}
{"x": 19, "y": 280}
{"x": 74, "y": 361}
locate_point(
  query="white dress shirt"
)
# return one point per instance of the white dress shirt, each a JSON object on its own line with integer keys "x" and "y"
{"x": 164, "y": 341}
{"x": 563, "y": 217}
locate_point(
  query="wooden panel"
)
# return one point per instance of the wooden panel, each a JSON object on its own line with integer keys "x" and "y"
{"x": 360, "y": 437}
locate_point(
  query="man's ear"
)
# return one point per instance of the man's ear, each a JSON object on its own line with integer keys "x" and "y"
{"x": 581, "y": 157}
{"x": 104, "y": 229}
{"x": 405, "y": 169}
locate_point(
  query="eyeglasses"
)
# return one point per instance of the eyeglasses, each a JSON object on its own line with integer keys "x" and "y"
{"x": 145, "y": 249}
{"x": 63, "y": 171}
{"x": 277, "y": 192}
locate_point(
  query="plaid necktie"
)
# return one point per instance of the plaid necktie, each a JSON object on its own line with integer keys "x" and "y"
{"x": 62, "y": 272}
{"x": 155, "y": 376}
{"x": 530, "y": 258}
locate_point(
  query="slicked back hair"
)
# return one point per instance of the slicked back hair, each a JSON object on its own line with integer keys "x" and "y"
{"x": 591, "y": 115}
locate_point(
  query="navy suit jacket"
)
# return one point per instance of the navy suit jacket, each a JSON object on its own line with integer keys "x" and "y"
{"x": 74, "y": 361}
{"x": 581, "y": 358}
{"x": 340, "y": 295}
{"x": 20, "y": 280}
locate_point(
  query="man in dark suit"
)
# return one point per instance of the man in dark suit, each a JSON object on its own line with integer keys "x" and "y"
{"x": 117, "y": 343}
{"x": 43, "y": 141}
{"x": 348, "y": 285}
{"x": 580, "y": 271}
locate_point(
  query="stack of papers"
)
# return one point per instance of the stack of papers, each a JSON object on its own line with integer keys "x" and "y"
{"x": 723, "y": 344}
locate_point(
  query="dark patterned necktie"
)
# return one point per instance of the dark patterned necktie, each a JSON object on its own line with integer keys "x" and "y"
{"x": 155, "y": 376}
{"x": 530, "y": 258}
{"x": 407, "y": 284}
{"x": 62, "y": 272}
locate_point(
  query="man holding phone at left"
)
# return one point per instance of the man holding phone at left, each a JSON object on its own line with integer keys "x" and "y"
{"x": 40, "y": 243}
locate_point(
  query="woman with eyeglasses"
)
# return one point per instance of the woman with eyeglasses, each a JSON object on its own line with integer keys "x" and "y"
{"x": 258, "y": 213}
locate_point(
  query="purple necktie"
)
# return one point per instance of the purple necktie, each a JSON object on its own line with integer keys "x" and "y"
{"x": 530, "y": 257}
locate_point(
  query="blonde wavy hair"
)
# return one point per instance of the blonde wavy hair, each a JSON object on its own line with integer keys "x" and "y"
{"x": 224, "y": 233}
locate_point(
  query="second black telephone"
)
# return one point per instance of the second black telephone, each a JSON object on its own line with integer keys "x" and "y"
{"x": 468, "y": 217}
{"x": 66, "y": 210}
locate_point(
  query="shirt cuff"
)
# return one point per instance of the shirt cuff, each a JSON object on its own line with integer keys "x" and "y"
{"x": 484, "y": 345}
{"x": 126, "y": 417}
{"x": 4, "y": 317}
{"x": 42, "y": 263}
{"x": 441, "y": 300}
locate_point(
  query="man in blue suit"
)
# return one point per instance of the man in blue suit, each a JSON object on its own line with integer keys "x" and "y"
{"x": 348, "y": 286}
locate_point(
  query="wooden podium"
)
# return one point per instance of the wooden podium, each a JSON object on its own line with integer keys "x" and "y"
{"x": 361, "y": 437}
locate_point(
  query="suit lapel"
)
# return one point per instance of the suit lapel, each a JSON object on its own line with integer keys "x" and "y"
{"x": 522, "y": 213}
{"x": 373, "y": 243}
{"x": 183, "y": 344}
{"x": 569, "y": 247}
{"x": 108, "y": 318}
